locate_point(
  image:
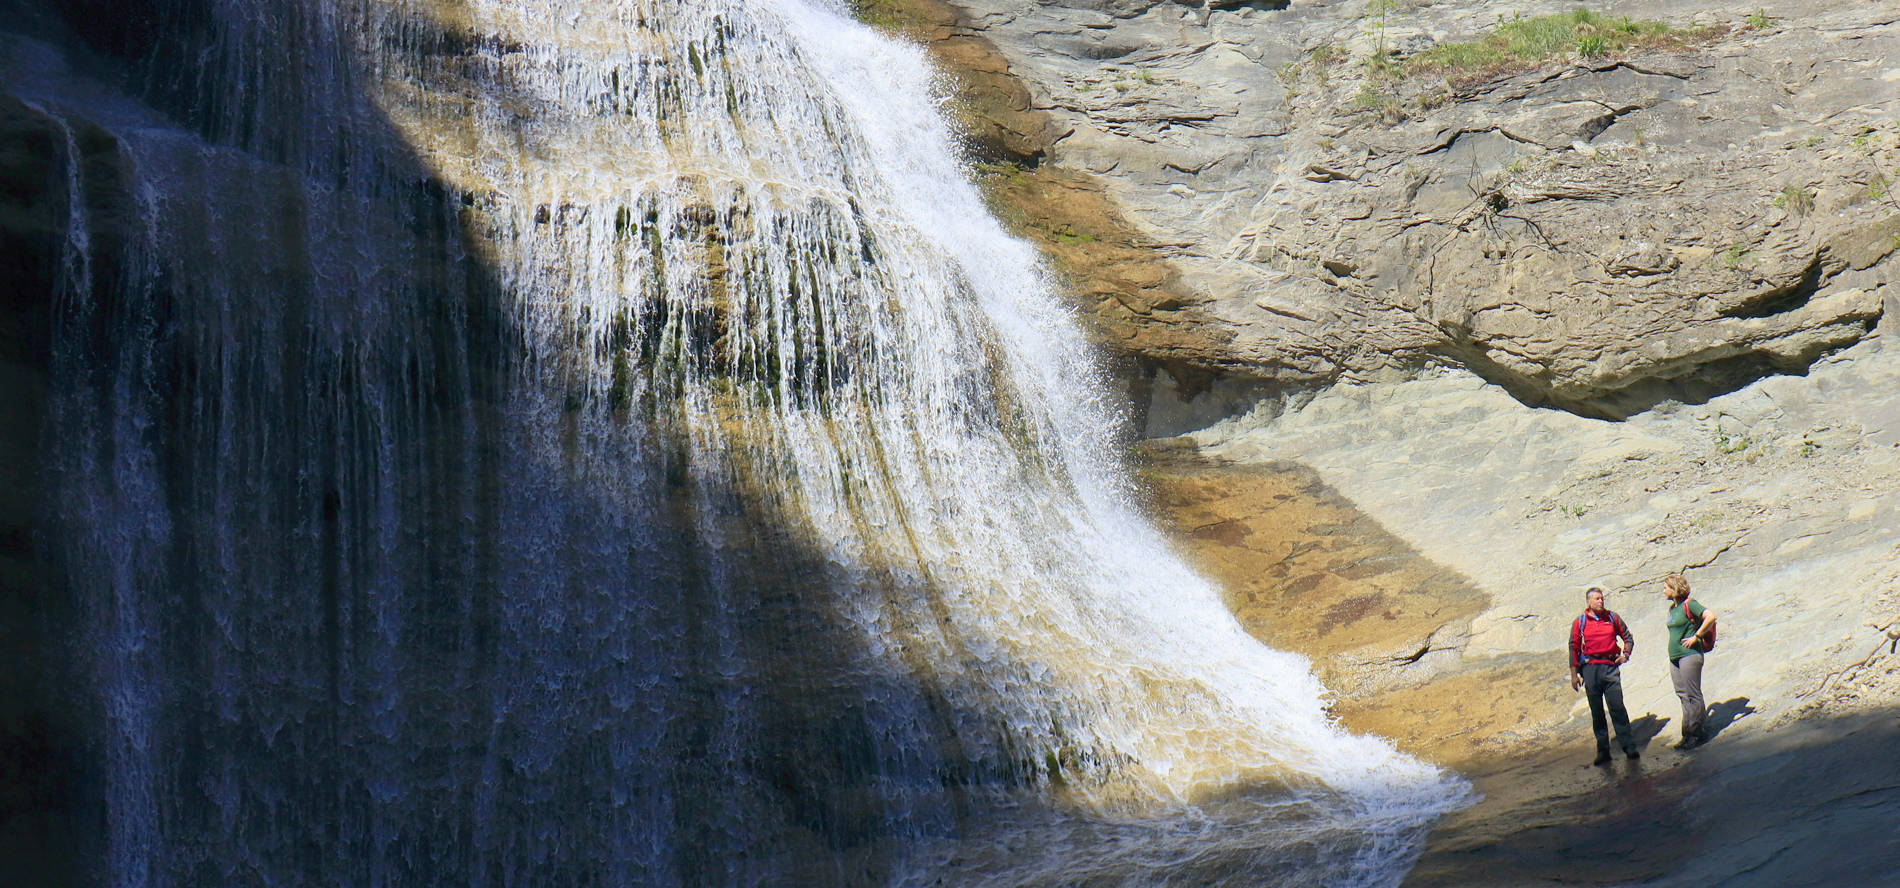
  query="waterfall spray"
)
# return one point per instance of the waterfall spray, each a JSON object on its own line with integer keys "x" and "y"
{"x": 598, "y": 442}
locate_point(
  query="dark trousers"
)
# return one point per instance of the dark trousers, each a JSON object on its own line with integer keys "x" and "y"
{"x": 1603, "y": 683}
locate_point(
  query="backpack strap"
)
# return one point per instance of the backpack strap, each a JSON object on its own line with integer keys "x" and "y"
{"x": 1616, "y": 626}
{"x": 1695, "y": 627}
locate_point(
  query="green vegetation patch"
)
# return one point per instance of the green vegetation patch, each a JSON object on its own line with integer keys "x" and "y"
{"x": 901, "y": 16}
{"x": 1527, "y": 41}
{"x": 881, "y": 13}
{"x": 1795, "y": 199}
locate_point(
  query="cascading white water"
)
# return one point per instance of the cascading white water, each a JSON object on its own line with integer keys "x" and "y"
{"x": 635, "y": 456}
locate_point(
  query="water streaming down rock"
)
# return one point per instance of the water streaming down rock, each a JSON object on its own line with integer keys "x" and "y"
{"x": 608, "y": 443}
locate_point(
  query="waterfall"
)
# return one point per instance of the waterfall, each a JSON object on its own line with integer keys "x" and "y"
{"x": 544, "y": 442}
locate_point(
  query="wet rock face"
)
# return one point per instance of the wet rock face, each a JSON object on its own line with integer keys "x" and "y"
{"x": 42, "y": 737}
{"x": 30, "y": 220}
{"x": 1306, "y": 571}
{"x": 1597, "y": 233}
{"x": 1139, "y": 310}
{"x": 990, "y": 104}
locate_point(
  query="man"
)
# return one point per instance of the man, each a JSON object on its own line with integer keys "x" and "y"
{"x": 1600, "y": 643}
{"x": 1690, "y": 627}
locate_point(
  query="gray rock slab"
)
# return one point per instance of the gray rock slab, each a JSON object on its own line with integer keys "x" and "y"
{"x": 1777, "y": 501}
{"x": 1582, "y": 232}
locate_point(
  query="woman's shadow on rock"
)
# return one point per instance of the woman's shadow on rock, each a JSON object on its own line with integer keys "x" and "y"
{"x": 1723, "y": 714}
{"x": 1644, "y": 730}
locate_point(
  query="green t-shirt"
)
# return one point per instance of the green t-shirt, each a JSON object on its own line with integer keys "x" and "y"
{"x": 1681, "y": 626}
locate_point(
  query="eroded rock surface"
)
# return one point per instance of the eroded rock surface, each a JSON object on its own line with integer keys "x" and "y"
{"x": 1305, "y": 570}
{"x": 1597, "y": 234}
{"x": 1709, "y": 221}
{"x": 1776, "y": 501}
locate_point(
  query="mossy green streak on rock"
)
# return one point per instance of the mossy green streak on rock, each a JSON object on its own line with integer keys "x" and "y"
{"x": 1523, "y": 42}
{"x": 905, "y": 16}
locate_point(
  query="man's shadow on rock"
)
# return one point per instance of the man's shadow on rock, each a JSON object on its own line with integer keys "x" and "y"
{"x": 1723, "y": 714}
{"x": 1645, "y": 729}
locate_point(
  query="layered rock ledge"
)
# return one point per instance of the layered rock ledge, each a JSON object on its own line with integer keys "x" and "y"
{"x": 1380, "y": 275}
{"x": 1595, "y": 233}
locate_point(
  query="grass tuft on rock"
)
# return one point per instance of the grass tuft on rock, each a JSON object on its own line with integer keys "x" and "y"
{"x": 890, "y": 15}
{"x": 1528, "y": 41}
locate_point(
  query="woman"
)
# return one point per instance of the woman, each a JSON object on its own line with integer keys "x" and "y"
{"x": 1690, "y": 625}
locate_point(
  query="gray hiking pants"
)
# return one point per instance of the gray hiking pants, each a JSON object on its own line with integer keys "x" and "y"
{"x": 1603, "y": 684}
{"x": 1687, "y": 675}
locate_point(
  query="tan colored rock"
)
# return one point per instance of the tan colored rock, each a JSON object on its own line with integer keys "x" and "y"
{"x": 1306, "y": 571}
{"x": 1775, "y": 500}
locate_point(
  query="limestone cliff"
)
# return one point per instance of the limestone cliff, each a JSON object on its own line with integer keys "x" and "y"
{"x": 1598, "y": 231}
{"x": 1385, "y": 260}
{"x": 1387, "y": 256}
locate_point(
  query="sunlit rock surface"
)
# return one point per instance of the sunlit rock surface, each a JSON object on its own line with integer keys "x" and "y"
{"x": 1595, "y": 234}
{"x": 1386, "y": 280}
{"x": 1699, "y": 240}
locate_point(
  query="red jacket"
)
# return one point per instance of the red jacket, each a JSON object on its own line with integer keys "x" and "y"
{"x": 1593, "y": 638}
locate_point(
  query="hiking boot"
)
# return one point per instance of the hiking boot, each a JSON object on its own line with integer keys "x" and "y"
{"x": 1603, "y": 757}
{"x": 1632, "y": 753}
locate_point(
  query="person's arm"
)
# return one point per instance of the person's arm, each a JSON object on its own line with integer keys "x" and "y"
{"x": 1576, "y": 681}
{"x": 1705, "y": 623}
{"x": 1624, "y": 638}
